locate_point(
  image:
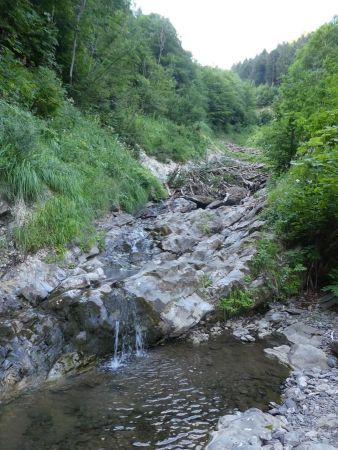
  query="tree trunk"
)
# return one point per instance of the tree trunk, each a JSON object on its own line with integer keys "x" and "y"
{"x": 77, "y": 28}
{"x": 162, "y": 42}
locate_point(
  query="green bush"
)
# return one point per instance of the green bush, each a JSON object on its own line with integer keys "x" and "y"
{"x": 37, "y": 89}
{"x": 282, "y": 270}
{"x": 304, "y": 203}
{"x": 265, "y": 95}
{"x": 333, "y": 287}
{"x": 265, "y": 116}
{"x": 239, "y": 301}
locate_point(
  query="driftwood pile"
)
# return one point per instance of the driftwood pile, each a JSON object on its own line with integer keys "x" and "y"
{"x": 213, "y": 178}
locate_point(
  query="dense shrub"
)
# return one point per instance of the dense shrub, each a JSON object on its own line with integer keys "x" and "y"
{"x": 302, "y": 146}
{"x": 237, "y": 302}
{"x": 37, "y": 89}
{"x": 282, "y": 270}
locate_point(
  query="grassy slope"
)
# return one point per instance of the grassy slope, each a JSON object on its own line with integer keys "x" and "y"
{"x": 69, "y": 170}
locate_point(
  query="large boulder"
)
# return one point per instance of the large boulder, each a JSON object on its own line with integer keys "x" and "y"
{"x": 305, "y": 356}
{"x": 299, "y": 356}
{"x": 172, "y": 291}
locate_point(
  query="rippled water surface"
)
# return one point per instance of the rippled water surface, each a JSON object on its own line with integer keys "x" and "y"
{"x": 169, "y": 399}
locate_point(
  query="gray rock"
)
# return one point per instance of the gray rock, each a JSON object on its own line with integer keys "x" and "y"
{"x": 315, "y": 446}
{"x": 334, "y": 347}
{"x": 329, "y": 421}
{"x": 305, "y": 356}
{"x": 332, "y": 361}
{"x": 244, "y": 430}
{"x": 201, "y": 200}
{"x": 75, "y": 282}
{"x": 216, "y": 204}
{"x": 277, "y": 317}
{"x": 182, "y": 205}
{"x": 122, "y": 219}
{"x": 302, "y": 382}
{"x": 48, "y": 311}
{"x": 92, "y": 252}
{"x": 300, "y": 333}
{"x": 5, "y": 209}
{"x": 36, "y": 292}
{"x": 293, "y": 437}
{"x": 235, "y": 195}
{"x": 281, "y": 353}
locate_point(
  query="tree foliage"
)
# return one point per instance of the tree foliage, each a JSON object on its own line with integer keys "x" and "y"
{"x": 81, "y": 83}
{"x": 269, "y": 68}
{"x": 302, "y": 144}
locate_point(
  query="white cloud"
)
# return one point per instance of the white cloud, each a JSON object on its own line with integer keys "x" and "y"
{"x": 222, "y": 32}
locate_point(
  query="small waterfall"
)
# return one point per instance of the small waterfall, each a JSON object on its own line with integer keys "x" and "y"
{"x": 116, "y": 361}
{"x": 127, "y": 343}
{"x": 139, "y": 341}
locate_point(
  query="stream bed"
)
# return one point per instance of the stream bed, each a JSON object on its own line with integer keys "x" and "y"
{"x": 169, "y": 398}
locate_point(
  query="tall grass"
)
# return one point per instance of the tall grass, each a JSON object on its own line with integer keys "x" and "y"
{"x": 69, "y": 170}
{"x": 163, "y": 138}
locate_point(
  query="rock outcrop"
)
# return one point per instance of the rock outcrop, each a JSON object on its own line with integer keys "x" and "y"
{"x": 164, "y": 268}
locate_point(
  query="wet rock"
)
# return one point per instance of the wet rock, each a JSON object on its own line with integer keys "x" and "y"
{"x": 248, "y": 338}
{"x": 216, "y": 330}
{"x": 250, "y": 429}
{"x": 66, "y": 364}
{"x": 170, "y": 264}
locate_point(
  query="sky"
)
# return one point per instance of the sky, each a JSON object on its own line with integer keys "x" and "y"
{"x": 223, "y": 32}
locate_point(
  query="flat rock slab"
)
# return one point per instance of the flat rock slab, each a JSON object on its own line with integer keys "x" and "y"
{"x": 248, "y": 430}
{"x": 300, "y": 333}
{"x": 299, "y": 356}
{"x": 305, "y": 356}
